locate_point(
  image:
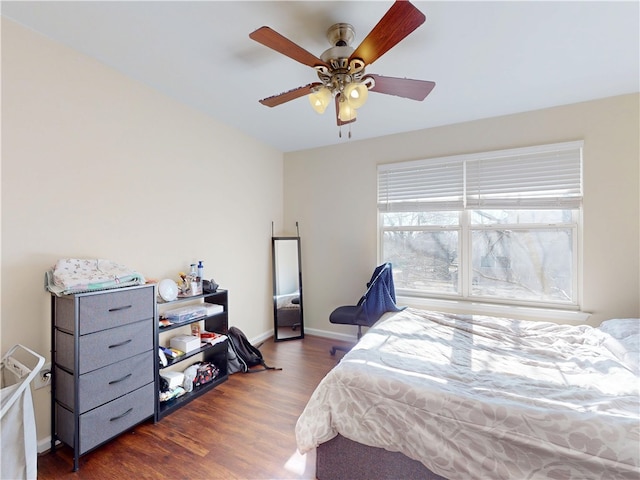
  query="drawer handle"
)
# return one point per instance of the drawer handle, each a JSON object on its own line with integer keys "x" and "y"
{"x": 120, "y": 379}
{"x": 121, "y": 416}
{"x": 120, "y": 344}
{"x": 115, "y": 309}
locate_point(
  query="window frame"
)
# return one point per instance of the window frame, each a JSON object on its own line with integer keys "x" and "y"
{"x": 465, "y": 230}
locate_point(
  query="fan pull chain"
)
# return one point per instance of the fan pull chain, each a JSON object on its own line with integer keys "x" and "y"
{"x": 340, "y": 131}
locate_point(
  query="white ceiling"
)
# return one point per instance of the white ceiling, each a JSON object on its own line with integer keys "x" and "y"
{"x": 487, "y": 58}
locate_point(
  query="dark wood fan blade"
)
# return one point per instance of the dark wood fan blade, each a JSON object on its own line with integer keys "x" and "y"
{"x": 402, "y": 87}
{"x": 338, "y": 121}
{"x": 277, "y": 42}
{"x": 399, "y": 21}
{"x": 290, "y": 95}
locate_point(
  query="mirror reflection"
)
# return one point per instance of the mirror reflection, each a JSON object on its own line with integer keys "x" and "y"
{"x": 287, "y": 289}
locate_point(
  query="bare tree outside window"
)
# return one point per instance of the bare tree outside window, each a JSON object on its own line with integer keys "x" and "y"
{"x": 501, "y": 226}
{"x": 523, "y": 256}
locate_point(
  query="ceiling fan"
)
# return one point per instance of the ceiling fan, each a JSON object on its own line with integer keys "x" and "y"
{"x": 341, "y": 68}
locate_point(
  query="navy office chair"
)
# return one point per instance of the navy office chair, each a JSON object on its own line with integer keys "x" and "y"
{"x": 379, "y": 298}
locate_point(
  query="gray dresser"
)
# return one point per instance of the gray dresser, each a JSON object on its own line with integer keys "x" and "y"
{"x": 103, "y": 358}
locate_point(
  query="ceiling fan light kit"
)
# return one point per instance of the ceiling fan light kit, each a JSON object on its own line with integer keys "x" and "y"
{"x": 320, "y": 98}
{"x": 357, "y": 94}
{"x": 341, "y": 68}
{"x": 346, "y": 112}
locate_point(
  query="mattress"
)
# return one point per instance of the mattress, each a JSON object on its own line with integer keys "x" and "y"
{"x": 486, "y": 397}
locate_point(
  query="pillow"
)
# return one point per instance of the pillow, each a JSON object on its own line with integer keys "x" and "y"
{"x": 623, "y": 341}
{"x": 621, "y": 327}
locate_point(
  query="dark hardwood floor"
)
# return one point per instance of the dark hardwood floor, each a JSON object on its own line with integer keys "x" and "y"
{"x": 243, "y": 429}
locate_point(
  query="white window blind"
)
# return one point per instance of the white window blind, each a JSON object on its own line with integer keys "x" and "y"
{"x": 547, "y": 176}
{"x": 427, "y": 185}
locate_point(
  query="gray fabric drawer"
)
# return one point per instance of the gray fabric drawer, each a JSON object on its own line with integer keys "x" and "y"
{"x": 103, "y": 423}
{"x": 109, "y": 346}
{"x": 108, "y": 310}
{"x": 105, "y": 384}
{"x": 65, "y": 313}
{"x": 105, "y": 309}
{"x": 64, "y": 349}
{"x": 105, "y": 347}
{"x": 64, "y": 425}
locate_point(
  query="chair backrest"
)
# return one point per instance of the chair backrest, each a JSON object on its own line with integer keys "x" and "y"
{"x": 380, "y": 296}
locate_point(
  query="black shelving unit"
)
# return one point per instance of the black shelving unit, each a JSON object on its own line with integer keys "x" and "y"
{"x": 216, "y": 354}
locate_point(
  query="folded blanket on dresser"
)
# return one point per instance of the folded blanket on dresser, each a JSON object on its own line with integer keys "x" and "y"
{"x": 73, "y": 275}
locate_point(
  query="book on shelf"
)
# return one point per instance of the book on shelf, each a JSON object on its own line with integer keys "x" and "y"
{"x": 211, "y": 338}
{"x": 172, "y": 353}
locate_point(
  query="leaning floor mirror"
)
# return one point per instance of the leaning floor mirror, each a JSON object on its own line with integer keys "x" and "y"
{"x": 288, "y": 321}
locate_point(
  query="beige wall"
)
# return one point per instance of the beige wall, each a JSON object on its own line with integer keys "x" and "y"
{"x": 332, "y": 193}
{"x": 96, "y": 165}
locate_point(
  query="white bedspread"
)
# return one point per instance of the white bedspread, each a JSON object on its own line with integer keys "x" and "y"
{"x": 484, "y": 397}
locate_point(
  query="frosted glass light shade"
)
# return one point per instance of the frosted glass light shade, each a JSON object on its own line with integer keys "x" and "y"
{"x": 346, "y": 112}
{"x": 357, "y": 94}
{"x": 320, "y": 99}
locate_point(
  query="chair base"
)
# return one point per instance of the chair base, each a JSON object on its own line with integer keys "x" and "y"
{"x": 342, "y": 348}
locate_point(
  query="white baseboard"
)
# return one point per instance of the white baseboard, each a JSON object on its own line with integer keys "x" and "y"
{"x": 332, "y": 335}
{"x": 309, "y": 331}
{"x": 261, "y": 338}
{"x": 44, "y": 444}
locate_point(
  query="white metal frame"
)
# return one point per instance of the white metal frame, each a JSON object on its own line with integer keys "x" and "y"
{"x": 20, "y": 371}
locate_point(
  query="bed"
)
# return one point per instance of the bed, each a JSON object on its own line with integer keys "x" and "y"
{"x": 434, "y": 395}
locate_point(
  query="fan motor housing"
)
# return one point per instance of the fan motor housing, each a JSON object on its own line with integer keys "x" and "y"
{"x": 341, "y": 34}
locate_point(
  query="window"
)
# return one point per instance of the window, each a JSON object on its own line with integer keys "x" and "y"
{"x": 498, "y": 227}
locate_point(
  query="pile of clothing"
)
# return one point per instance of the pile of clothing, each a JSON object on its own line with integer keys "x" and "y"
{"x": 73, "y": 275}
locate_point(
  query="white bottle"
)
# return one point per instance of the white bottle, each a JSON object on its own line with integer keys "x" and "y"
{"x": 200, "y": 270}
{"x": 193, "y": 280}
